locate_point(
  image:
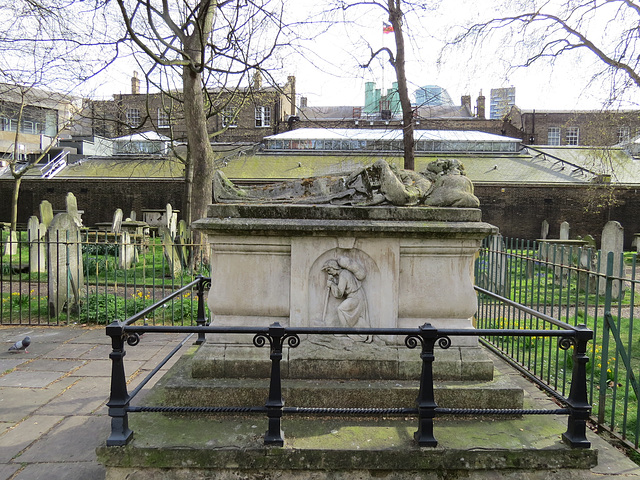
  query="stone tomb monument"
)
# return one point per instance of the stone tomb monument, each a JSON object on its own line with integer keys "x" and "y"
{"x": 357, "y": 251}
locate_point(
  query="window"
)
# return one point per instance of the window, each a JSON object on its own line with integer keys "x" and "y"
{"x": 263, "y": 116}
{"x": 553, "y": 136}
{"x": 230, "y": 117}
{"x": 573, "y": 136}
{"x": 623, "y": 134}
{"x": 133, "y": 117}
{"x": 163, "y": 119}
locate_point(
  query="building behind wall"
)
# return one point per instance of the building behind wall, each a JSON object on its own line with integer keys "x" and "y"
{"x": 234, "y": 115}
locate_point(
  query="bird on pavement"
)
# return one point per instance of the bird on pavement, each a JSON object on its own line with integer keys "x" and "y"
{"x": 20, "y": 345}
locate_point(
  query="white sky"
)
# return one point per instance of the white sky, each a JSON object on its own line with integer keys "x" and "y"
{"x": 327, "y": 69}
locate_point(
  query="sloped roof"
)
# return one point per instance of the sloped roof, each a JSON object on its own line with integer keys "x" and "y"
{"x": 149, "y": 136}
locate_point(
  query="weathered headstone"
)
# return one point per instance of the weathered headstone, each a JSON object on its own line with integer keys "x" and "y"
{"x": 72, "y": 208}
{"x": 46, "y": 213}
{"x": 11, "y": 244}
{"x": 564, "y": 231}
{"x": 171, "y": 253}
{"x": 612, "y": 241}
{"x": 132, "y": 215}
{"x": 496, "y": 278}
{"x": 116, "y": 226}
{"x": 545, "y": 230}
{"x": 37, "y": 253}
{"x": 171, "y": 219}
{"x": 128, "y": 252}
{"x": 64, "y": 258}
{"x": 182, "y": 239}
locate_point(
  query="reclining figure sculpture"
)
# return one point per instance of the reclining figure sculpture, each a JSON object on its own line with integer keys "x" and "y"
{"x": 442, "y": 184}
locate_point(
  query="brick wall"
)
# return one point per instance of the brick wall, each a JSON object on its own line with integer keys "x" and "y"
{"x": 518, "y": 210}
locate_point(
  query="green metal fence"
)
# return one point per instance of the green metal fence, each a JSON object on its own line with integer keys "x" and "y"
{"x": 98, "y": 277}
{"x": 577, "y": 284}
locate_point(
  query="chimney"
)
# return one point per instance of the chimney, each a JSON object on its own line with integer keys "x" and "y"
{"x": 465, "y": 101}
{"x": 303, "y": 102}
{"x": 291, "y": 80}
{"x": 257, "y": 80}
{"x": 480, "y": 106}
{"x": 135, "y": 84}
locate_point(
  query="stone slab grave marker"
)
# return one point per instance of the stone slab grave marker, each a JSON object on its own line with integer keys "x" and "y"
{"x": 496, "y": 275}
{"x": 37, "y": 251}
{"x": 128, "y": 253}
{"x": 11, "y": 244}
{"x": 46, "y": 213}
{"x": 544, "y": 233}
{"x": 72, "y": 208}
{"x": 171, "y": 252}
{"x": 564, "y": 231}
{"x": 116, "y": 225}
{"x": 64, "y": 258}
{"x": 612, "y": 241}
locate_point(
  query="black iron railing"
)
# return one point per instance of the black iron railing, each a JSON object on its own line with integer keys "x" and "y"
{"x": 277, "y": 337}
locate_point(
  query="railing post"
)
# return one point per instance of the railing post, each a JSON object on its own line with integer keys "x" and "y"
{"x": 201, "y": 321}
{"x": 274, "y": 434}
{"x": 119, "y": 398}
{"x": 578, "y": 401}
{"x": 426, "y": 402}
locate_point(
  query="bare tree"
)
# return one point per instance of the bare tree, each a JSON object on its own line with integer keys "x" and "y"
{"x": 204, "y": 46}
{"x": 535, "y": 31}
{"x": 44, "y": 45}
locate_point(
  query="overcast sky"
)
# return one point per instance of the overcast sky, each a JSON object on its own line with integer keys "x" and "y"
{"x": 328, "y": 73}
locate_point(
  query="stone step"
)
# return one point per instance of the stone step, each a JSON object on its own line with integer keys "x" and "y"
{"x": 182, "y": 389}
{"x": 335, "y": 360}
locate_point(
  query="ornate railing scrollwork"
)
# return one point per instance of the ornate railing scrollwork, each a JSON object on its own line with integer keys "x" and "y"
{"x": 565, "y": 343}
{"x": 133, "y": 339}
{"x": 261, "y": 339}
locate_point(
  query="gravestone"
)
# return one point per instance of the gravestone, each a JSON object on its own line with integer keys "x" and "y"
{"x": 496, "y": 278}
{"x": 46, "y": 213}
{"x": 37, "y": 252}
{"x": 64, "y": 258}
{"x": 128, "y": 253}
{"x": 72, "y": 208}
{"x": 182, "y": 238}
{"x": 612, "y": 241}
{"x": 132, "y": 216}
{"x": 171, "y": 253}
{"x": 11, "y": 244}
{"x": 544, "y": 233}
{"x": 171, "y": 219}
{"x": 116, "y": 225}
{"x": 564, "y": 231}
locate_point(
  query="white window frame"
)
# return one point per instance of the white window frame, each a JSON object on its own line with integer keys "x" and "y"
{"x": 573, "y": 136}
{"x": 164, "y": 121}
{"x": 230, "y": 117}
{"x": 263, "y": 117}
{"x": 133, "y": 117}
{"x": 624, "y": 134}
{"x": 553, "y": 136}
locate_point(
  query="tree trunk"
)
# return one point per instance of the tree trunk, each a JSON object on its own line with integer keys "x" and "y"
{"x": 395, "y": 17}
{"x": 14, "y": 203}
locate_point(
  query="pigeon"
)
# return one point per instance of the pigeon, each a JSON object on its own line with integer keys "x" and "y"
{"x": 20, "y": 345}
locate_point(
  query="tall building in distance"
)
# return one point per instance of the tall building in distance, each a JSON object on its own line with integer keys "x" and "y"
{"x": 501, "y": 101}
{"x": 432, "y": 96}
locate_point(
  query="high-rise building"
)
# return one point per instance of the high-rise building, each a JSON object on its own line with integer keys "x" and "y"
{"x": 501, "y": 101}
{"x": 432, "y": 96}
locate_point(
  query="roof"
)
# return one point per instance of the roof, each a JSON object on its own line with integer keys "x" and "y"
{"x": 378, "y": 134}
{"x": 149, "y": 136}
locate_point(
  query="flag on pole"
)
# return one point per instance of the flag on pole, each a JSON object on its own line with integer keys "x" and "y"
{"x": 387, "y": 27}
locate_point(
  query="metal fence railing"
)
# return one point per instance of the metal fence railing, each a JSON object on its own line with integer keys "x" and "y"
{"x": 577, "y": 284}
{"x": 96, "y": 277}
{"x": 425, "y": 339}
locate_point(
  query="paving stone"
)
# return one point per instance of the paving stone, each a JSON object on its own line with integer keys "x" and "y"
{"x": 73, "y": 440}
{"x": 7, "y": 364}
{"x": 102, "y": 368}
{"x": 68, "y": 471}
{"x": 69, "y": 350}
{"x": 17, "y": 403}
{"x": 52, "y": 365}
{"x": 83, "y": 397}
{"x": 6, "y": 470}
{"x": 25, "y": 433}
{"x": 27, "y": 379}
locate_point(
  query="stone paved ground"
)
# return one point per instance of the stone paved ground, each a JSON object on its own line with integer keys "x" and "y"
{"x": 52, "y": 399}
{"x": 52, "y": 402}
